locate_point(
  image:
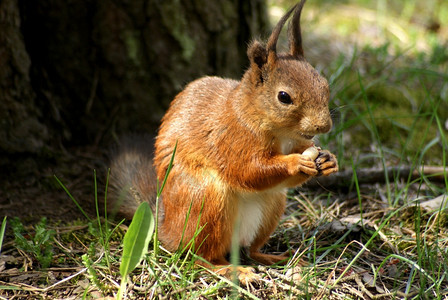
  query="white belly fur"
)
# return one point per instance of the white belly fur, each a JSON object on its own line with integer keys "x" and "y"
{"x": 286, "y": 146}
{"x": 251, "y": 211}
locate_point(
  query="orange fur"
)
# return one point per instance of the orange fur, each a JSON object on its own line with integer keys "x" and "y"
{"x": 238, "y": 149}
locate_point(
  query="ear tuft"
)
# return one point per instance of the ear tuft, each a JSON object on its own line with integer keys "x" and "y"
{"x": 257, "y": 54}
{"x": 295, "y": 36}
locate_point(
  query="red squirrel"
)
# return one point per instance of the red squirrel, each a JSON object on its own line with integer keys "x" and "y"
{"x": 239, "y": 147}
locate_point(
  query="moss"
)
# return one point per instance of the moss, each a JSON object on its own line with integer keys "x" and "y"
{"x": 174, "y": 18}
{"x": 132, "y": 45}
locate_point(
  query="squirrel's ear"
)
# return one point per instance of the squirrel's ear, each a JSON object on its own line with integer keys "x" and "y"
{"x": 257, "y": 53}
{"x": 295, "y": 36}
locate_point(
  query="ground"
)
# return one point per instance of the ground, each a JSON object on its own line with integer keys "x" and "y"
{"x": 347, "y": 244}
{"x": 29, "y": 189}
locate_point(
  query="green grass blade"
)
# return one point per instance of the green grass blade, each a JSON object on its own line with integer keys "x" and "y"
{"x": 408, "y": 261}
{"x": 170, "y": 166}
{"x": 98, "y": 219}
{"x": 2, "y": 233}
{"x": 106, "y": 223}
{"x": 73, "y": 198}
{"x": 159, "y": 193}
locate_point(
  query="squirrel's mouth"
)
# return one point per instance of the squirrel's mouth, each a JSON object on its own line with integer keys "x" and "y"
{"x": 308, "y": 137}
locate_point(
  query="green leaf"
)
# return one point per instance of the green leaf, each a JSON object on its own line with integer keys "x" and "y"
{"x": 136, "y": 239}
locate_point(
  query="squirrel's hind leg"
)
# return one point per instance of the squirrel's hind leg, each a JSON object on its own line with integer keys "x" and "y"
{"x": 276, "y": 207}
{"x": 269, "y": 259}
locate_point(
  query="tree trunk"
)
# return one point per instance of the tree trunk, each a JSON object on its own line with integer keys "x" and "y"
{"x": 20, "y": 127}
{"x": 80, "y": 71}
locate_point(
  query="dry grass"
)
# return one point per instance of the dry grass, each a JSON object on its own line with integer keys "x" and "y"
{"x": 371, "y": 253}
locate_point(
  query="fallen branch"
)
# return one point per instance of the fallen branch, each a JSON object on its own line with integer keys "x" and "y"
{"x": 377, "y": 175}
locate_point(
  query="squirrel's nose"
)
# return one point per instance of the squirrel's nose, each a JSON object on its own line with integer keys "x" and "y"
{"x": 323, "y": 126}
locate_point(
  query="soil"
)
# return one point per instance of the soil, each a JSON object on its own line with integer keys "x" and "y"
{"x": 29, "y": 188}
{"x": 30, "y": 191}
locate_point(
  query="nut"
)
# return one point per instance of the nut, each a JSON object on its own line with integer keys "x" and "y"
{"x": 311, "y": 152}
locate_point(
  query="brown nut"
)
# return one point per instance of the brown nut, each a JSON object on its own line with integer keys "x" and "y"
{"x": 311, "y": 152}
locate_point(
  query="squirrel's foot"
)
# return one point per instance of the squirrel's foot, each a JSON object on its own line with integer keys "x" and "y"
{"x": 326, "y": 163}
{"x": 269, "y": 259}
{"x": 222, "y": 267}
{"x": 245, "y": 275}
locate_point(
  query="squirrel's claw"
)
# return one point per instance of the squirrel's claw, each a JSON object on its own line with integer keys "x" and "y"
{"x": 307, "y": 166}
{"x": 326, "y": 163}
{"x": 245, "y": 275}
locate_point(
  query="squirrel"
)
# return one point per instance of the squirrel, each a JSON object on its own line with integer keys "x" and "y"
{"x": 239, "y": 146}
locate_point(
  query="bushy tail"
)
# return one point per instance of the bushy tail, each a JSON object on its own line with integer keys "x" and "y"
{"x": 132, "y": 176}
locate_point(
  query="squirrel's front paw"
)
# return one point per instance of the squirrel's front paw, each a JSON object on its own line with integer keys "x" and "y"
{"x": 326, "y": 163}
{"x": 298, "y": 164}
{"x": 306, "y": 165}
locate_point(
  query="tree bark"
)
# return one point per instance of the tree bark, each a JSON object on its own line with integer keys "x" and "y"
{"x": 75, "y": 72}
{"x": 20, "y": 127}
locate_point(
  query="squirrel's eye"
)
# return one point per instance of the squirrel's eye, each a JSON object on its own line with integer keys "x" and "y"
{"x": 284, "y": 97}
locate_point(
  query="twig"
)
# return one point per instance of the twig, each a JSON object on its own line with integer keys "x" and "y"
{"x": 64, "y": 280}
{"x": 363, "y": 287}
{"x": 31, "y": 288}
{"x": 374, "y": 175}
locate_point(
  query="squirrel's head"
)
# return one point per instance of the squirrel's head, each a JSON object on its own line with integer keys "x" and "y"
{"x": 289, "y": 94}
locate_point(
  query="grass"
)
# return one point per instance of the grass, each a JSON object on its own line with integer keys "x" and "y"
{"x": 367, "y": 241}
